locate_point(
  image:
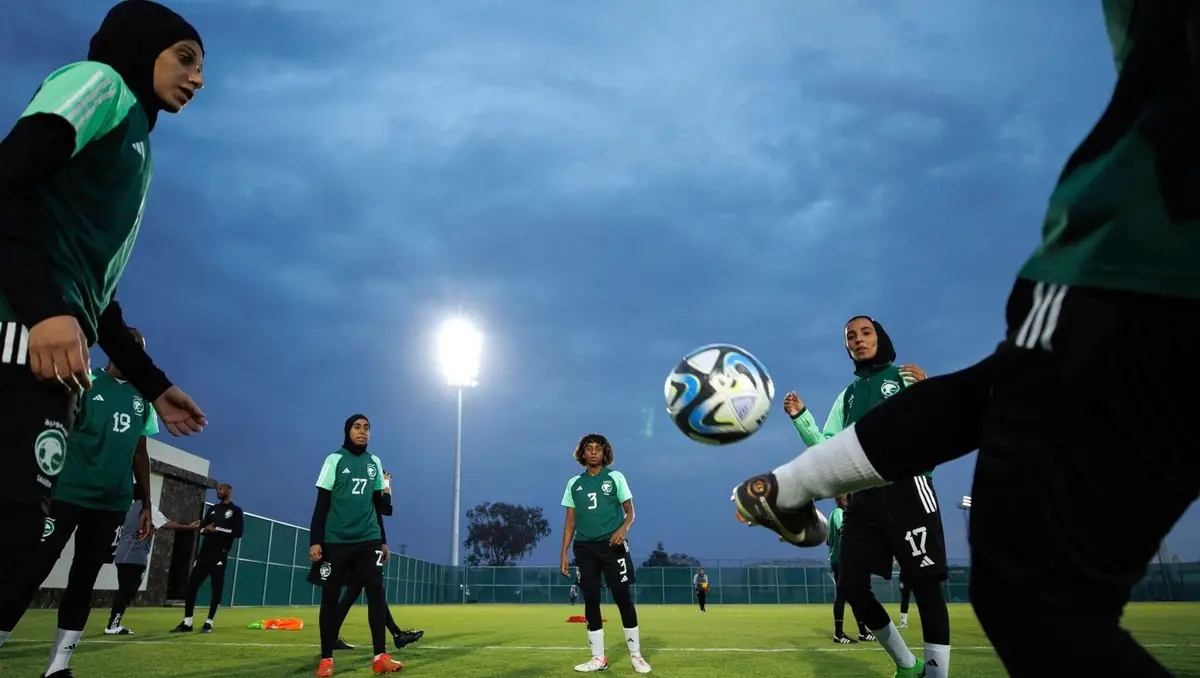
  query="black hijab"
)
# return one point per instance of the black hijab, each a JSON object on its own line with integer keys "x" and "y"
{"x": 348, "y": 444}
{"x": 885, "y": 352}
{"x": 132, "y": 35}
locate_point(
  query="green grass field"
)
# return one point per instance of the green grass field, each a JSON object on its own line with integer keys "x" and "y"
{"x": 524, "y": 641}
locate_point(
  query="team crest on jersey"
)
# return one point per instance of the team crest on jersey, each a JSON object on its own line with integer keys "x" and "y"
{"x": 606, "y": 487}
{"x": 889, "y": 388}
{"x": 138, "y": 405}
{"x": 371, "y": 471}
{"x": 48, "y": 528}
{"x": 228, "y": 514}
{"x": 325, "y": 571}
{"x": 50, "y": 450}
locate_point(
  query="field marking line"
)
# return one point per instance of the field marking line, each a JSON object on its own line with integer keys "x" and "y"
{"x": 555, "y": 648}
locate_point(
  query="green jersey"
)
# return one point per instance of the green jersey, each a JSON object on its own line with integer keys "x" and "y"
{"x": 597, "y": 500}
{"x": 98, "y": 472}
{"x": 352, "y": 479}
{"x": 1125, "y": 214}
{"x": 91, "y": 208}
{"x": 872, "y": 385}
{"x": 834, "y": 540}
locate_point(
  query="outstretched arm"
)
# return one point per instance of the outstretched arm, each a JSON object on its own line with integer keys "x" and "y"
{"x": 127, "y": 354}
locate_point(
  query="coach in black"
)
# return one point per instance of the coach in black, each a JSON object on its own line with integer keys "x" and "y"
{"x": 223, "y": 523}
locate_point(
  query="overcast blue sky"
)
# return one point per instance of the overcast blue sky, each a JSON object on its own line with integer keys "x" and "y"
{"x": 606, "y": 186}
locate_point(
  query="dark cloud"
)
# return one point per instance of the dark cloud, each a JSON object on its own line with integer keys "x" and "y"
{"x": 607, "y": 188}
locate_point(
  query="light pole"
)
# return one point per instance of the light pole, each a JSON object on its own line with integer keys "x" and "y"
{"x": 460, "y": 347}
{"x": 965, "y": 505}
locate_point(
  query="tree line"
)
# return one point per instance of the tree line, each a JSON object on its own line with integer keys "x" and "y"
{"x": 500, "y": 534}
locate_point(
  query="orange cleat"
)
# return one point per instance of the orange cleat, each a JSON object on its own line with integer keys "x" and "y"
{"x": 385, "y": 664}
{"x": 325, "y": 669}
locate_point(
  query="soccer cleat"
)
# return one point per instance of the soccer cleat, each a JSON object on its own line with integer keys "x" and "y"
{"x": 207, "y": 628}
{"x": 594, "y": 664}
{"x": 640, "y": 665}
{"x": 903, "y": 625}
{"x": 385, "y": 664}
{"x": 407, "y": 637}
{"x": 61, "y": 673}
{"x": 325, "y": 668}
{"x": 342, "y": 645}
{"x": 915, "y": 671}
{"x": 866, "y": 637}
{"x": 843, "y": 639}
{"x": 183, "y": 627}
{"x": 117, "y": 631}
{"x": 755, "y": 502}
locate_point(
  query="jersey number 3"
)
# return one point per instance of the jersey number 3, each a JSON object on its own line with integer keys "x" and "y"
{"x": 592, "y": 497}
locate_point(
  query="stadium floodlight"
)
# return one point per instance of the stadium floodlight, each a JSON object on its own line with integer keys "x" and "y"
{"x": 965, "y": 505}
{"x": 460, "y": 348}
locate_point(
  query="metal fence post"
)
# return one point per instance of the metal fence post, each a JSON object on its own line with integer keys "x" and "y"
{"x": 267, "y": 567}
{"x": 291, "y": 566}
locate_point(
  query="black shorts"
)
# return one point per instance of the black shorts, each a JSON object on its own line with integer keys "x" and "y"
{"x": 214, "y": 560}
{"x": 596, "y": 557}
{"x": 96, "y": 531}
{"x": 346, "y": 564}
{"x": 35, "y": 419}
{"x": 901, "y": 521}
{"x": 1090, "y": 409}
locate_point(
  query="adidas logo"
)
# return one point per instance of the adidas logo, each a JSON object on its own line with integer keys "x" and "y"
{"x": 99, "y": 397}
{"x": 926, "y": 562}
{"x": 931, "y": 662}
{"x": 579, "y": 488}
{"x": 345, "y": 470}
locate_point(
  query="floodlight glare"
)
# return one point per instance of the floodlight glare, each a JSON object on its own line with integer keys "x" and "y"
{"x": 460, "y": 347}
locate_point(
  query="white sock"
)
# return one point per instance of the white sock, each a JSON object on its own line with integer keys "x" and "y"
{"x": 903, "y": 617}
{"x": 937, "y": 660}
{"x": 187, "y": 621}
{"x": 633, "y": 641}
{"x": 837, "y": 466}
{"x": 64, "y": 647}
{"x": 894, "y": 645}
{"x": 4, "y": 636}
{"x": 596, "y": 642}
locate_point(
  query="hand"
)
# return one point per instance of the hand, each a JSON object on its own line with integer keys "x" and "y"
{"x": 145, "y": 524}
{"x": 207, "y": 529}
{"x": 792, "y": 404}
{"x": 314, "y": 552}
{"x": 195, "y": 525}
{"x": 58, "y": 351}
{"x": 912, "y": 372}
{"x": 564, "y": 565}
{"x": 386, "y": 554}
{"x": 387, "y": 488}
{"x": 618, "y": 537}
{"x": 180, "y": 413}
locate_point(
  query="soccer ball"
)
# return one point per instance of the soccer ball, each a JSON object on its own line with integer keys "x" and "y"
{"x": 719, "y": 394}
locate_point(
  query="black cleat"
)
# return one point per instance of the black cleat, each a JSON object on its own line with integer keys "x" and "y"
{"x": 843, "y": 639}
{"x": 61, "y": 673}
{"x": 207, "y": 628}
{"x": 182, "y": 628}
{"x": 407, "y": 637}
{"x": 755, "y": 502}
{"x": 866, "y": 637}
{"x": 342, "y": 645}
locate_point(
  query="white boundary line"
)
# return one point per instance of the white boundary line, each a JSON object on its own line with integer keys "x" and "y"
{"x": 552, "y": 648}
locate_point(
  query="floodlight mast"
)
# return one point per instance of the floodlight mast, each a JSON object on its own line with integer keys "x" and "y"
{"x": 965, "y": 505}
{"x": 460, "y": 347}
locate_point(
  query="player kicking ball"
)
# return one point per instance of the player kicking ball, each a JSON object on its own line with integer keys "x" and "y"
{"x": 900, "y": 521}
{"x": 599, "y": 514}
{"x": 349, "y": 543}
{"x": 95, "y": 490}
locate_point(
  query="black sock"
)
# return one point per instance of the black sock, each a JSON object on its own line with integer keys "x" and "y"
{"x": 837, "y": 628}
{"x": 328, "y": 621}
{"x": 862, "y": 629}
{"x": 391, "y": 623}
{"x": 376, "y": 615}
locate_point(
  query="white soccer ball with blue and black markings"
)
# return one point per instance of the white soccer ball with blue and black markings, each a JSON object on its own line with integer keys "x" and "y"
{"x": 719, "y": 394}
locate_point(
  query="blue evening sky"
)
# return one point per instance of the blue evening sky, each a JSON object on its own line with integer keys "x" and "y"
{"x": 606, "y": 185}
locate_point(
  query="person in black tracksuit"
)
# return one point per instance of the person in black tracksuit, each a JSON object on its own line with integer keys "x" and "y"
{"x": 222, "y": 523}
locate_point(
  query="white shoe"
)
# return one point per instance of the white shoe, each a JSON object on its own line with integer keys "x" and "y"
{"x": 593, "y": 664}
{"x": 117, "y": 631}
{"x": 639, "y": 665}
{"x": 903, "y": 625}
